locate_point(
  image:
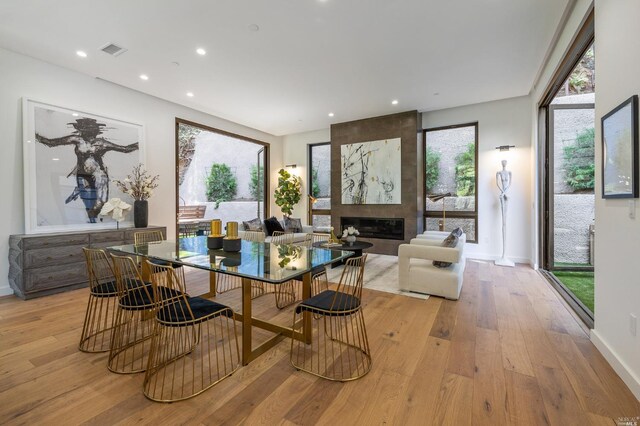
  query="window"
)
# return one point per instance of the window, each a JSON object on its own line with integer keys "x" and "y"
{"x": 451, "y": 168}
{"x": 320, "y": 188}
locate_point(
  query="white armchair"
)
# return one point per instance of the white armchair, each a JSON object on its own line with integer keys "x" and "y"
{"x": 416, "y": 272}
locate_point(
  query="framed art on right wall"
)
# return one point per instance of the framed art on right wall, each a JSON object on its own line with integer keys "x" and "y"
{"x": 620, "y": 151}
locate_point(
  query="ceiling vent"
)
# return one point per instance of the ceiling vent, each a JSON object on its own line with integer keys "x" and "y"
{"x": 113, "y": 50}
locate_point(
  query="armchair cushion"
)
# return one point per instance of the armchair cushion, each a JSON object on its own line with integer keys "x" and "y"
{"x": 253, "y": 225}
{"x": 292, "y": 225}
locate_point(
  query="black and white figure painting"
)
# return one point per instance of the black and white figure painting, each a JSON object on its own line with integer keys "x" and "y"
{"x": 371, "y": 172}
{"x": 71, "y": 160}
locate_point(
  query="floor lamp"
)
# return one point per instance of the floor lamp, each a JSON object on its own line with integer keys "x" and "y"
{"x": 435, "y": 198}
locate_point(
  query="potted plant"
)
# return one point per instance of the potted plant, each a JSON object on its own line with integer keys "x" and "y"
{"x": 288, "y": 192}
{"x": 350, "y": 234}
{"x": 139, "y": 185}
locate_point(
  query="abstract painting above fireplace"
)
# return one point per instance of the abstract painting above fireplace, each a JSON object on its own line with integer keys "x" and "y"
{"x": 371, "y": 172}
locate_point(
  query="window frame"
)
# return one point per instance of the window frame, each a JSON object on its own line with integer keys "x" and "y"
{"x": 453, "y": 214}
{"x": 267, "y": 152}
{"x": 310, "y": 210}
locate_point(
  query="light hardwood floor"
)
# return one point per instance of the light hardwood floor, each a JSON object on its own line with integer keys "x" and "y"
{"x": 508, "y": 352}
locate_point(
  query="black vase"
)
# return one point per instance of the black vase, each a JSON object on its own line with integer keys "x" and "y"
{"x": 140, "y": 213}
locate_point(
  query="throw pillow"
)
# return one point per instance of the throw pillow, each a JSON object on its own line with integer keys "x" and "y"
{"x": 271, "y": 225}
{"x": 292, "y": 225}
{"x": 450, "y": 241}
{"x": 253, "y": 225}
{"x": 457, "y": 232}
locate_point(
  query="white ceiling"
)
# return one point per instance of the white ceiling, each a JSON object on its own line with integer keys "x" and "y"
{"x": 309, "y": 57}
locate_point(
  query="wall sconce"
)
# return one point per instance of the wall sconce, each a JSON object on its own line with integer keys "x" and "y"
{"x": 505, "y": 147}
{"x": 293, "y": 166}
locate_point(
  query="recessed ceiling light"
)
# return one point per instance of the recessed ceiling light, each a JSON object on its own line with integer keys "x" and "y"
{"x": 55, "y": 159}
{"x": 254, "y": 27}
{"x": 144, "y": 77}
{"x": 75, "y": 114}
{"x": 190, "y": 94}
{"x": 81, "y": 53}
{"x": 331, "y": 114}
{"x": 201, "y": 51}
{"x": 394, "y": 102}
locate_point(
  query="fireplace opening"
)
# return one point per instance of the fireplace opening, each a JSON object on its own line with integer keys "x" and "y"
{"x": 373, "y": 227}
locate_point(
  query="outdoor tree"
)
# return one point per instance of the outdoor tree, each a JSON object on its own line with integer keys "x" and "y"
{"x": 186, "y": 148}
{"x": 222, "y": 185}
{"x": 433, "y": 169}
{"x": 315, "y": 182}
{"x": 256, "y": 182}
{"x": 579, "y": 161}
{"x": 466, "y": 171}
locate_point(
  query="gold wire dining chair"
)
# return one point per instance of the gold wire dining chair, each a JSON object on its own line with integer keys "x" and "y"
{"x": 285, "y": 293}
{"x": 102, "y": 304}
{"x": 319, "y": 281}
{"x": 339, "y": 347}
{"x": 134, "y": 322}
{"x": 155, "y": 236}
{"x": 195, "y": 344}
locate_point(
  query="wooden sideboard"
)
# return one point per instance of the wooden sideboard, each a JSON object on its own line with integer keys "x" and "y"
{"x": 42, "y": 264}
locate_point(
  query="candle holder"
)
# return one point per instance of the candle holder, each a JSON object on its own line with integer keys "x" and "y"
{"x": 214, "y": 240}
{"x": 231, "y": 242}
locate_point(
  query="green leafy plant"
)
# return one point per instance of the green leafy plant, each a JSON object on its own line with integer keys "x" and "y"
{"x": 578, "y": 80}
{"x": 315, "y": 182}
{"x": 288, "y": 192}
{"x": 222, "y": 185}
{"x": 432, "y": 164}
{"x": 466, "y": 171}
{"x": 579, "y": 161}
{"x": 256, "y": 181}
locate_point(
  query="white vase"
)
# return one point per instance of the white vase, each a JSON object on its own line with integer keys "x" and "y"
{"x": 351, "y": 239}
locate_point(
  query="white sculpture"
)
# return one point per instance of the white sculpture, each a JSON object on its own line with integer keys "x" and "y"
{"x": 117, "y": 209}
{"x": 503, "y": 182}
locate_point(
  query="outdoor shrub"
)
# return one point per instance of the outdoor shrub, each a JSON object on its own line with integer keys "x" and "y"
{"x": 466, "y": 172}
{"x": 222, "y": 185}
{"x": 256, "y": 183}
{"x": 433, "y": 169}
{"x": 579, "y": 161}
{"x": 315, "y": 183}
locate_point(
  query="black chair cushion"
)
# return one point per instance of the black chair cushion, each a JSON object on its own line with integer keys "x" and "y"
{"x": 138, "y": 300}
{"x": 177, "y": 315}
{"x": 315, "y": 270}
{"x": 165, "y": 263}
{"x": 345, "y": 303}
{"x": 110, "y": 289}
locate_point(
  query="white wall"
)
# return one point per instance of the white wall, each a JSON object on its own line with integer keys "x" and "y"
{"x": 296, "y": 151}
{"x": 504, "y": 122}
{"x": 617, "y": 268}
{"x": 22, "y": 76}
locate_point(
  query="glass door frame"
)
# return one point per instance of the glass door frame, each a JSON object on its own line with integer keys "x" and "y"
{"x": 548, "y": 243}
{"x": 265, "y": 147}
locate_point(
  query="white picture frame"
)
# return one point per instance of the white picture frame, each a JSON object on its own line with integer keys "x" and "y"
{"x": 71, "y": 158}
{"x": 371, "y": 172}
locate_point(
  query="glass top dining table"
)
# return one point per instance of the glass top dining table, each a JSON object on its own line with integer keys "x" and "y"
{"x": 256, "y": 261}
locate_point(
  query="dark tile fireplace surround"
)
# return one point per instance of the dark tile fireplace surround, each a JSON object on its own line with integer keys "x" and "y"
{"x": 373, "y": 227}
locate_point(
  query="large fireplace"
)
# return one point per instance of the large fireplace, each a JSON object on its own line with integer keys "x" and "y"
{"x": 373, "y": 227}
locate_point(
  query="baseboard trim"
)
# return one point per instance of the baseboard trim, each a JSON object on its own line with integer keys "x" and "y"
{"x": 6, "y": 291}
{"x": 625, "y": 373}
{"x": 493, "y": 258}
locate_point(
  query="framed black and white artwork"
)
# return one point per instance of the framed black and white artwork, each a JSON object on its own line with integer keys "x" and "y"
{"x": 371, "y": 172}
{"x": 71, "y": 159}
{"x": 620, "y": 151}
